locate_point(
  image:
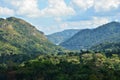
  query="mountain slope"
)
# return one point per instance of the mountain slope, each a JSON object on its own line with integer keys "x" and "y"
{"x": 108, "y": 47}
{"x": 18, "y": 36}
{"x": 84, "y": 39}
{"x": 60, "y": 37}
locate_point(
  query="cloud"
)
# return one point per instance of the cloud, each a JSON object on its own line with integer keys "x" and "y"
{"x": 58, "y": 19}
{"x": 30, "y": 8}
{"x": 93, "y": 23}
{"x": 83, "y": 4}
{"x": 98, "y": 5}
{"x": 50, "y": 29}
{"x": 4, "y": 11}
{"x": 27, "y": 8}
{"x": 106, "y": 5}
{"x": 58, "y": 8}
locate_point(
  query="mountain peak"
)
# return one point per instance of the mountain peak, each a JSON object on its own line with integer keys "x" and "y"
{"x": 12, "y": 18}
{"x": 114, "y": 22}
{"x": 22, "y": 37}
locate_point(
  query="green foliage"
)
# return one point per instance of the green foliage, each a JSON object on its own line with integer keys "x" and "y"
{"x": 108, "y": 48}
{"x": 7, "y": 48}
{"x": 61, "y": 67}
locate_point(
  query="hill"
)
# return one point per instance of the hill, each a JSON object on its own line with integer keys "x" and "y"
{"x": 20, "y": 37}
{"x": 86, "y": 38}
{"x": 108, "y": 47}
{"x": 62, "y": 36}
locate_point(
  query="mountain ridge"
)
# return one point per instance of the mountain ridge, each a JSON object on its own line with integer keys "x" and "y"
{"x": 89, "y": 37}
{"x": 62, "y": 36}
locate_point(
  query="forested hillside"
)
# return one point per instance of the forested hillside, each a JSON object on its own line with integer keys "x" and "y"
{"x": 109, "y": 48}
{"x": 87, "y": 38}
{"x": 19, "y": 37}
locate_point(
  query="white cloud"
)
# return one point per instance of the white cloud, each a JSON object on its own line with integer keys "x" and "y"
{"x": 4, "y": 11}
{"x": 106, "y": 5}
{"x": 98, "y": 5}
{"x": 58, "y": 19}
{"x": 83, "y": 4}
{"x": 30, "y": 8}
{"x": 58, "y": 8}
{"x": 50, "y": 29}
{"x": 93, "y": 23}
{"x": 97, "y": 21}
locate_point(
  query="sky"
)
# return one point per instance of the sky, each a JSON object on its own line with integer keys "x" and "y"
{"x": 52, "y": 16}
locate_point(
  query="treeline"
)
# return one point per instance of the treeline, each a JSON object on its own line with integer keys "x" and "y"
{"x": 68, "y": 66}
{"x": 108, "y": 48}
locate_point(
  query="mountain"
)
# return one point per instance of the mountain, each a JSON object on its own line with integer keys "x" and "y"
{"x": 86, "y": 38}
{"x": 20, "y": 37}
{"x": 60, "y": 37}
{"x": 108, "y": 47}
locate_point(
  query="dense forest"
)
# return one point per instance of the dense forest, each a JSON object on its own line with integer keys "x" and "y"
{"x": 108, "y": 48}
{"x": 68, "y": 66}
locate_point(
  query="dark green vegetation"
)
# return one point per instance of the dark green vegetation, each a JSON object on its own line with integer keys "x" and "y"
{"x": 70, "y": 66}
{"x": 60, "y": 37}
{"x": 87, "y": 38}
{"x": 108, "y": 48}
{"x": 20, "y": 37}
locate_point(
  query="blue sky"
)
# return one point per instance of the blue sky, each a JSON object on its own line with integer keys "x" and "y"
{"x": 52, "y": 16}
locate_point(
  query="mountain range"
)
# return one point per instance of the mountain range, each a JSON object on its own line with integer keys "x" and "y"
{"x": 62, "y": 36}
{"x": 18, "y": 36}
{"x": 87, "y": 38}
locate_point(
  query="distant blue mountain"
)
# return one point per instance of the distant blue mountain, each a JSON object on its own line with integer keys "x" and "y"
{"x": 62, "y": 36}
